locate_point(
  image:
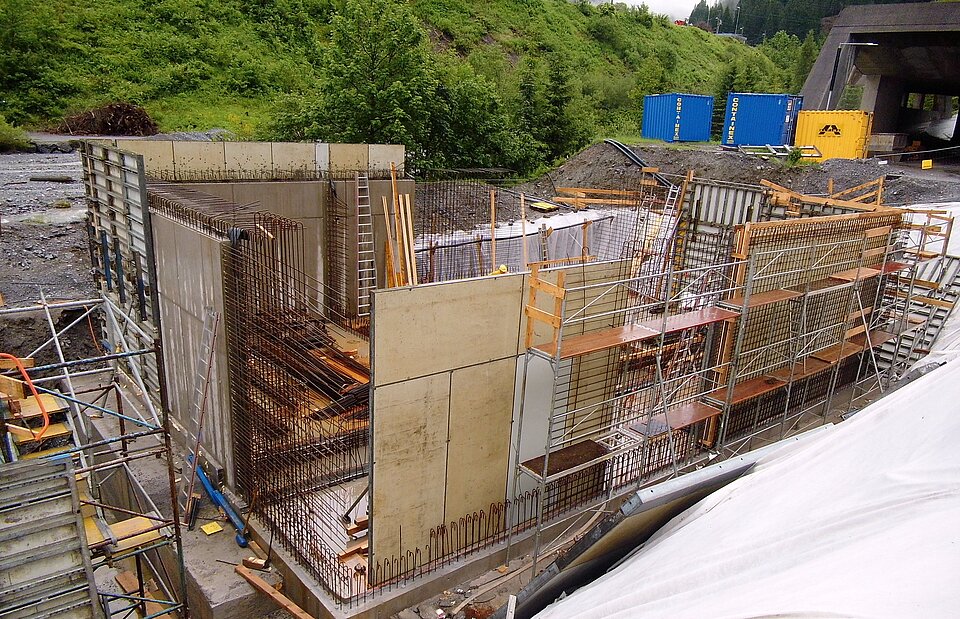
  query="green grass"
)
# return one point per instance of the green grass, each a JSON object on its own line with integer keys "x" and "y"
{"x": 198, "y": 64}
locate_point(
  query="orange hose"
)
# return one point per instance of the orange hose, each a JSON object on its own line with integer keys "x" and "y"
{"x": 33, "y": 390}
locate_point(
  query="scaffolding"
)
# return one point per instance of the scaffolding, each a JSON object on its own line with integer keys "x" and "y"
{"x": 653, "y": 372}
{"x": 94, "y": 414}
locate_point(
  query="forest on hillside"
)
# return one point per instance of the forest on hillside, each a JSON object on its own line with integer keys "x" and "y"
{"x": 462, "y": 83}
{"x": 759, "y": 19}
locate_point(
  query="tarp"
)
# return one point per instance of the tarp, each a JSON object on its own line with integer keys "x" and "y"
{"x": 861, "y": 521}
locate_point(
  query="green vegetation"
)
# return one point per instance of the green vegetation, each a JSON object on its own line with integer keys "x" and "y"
{"x": 11, "y": 138}
{"x": 460, "y": 82}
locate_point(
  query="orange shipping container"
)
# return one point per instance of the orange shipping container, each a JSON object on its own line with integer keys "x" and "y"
{"x": 837, "y": 134}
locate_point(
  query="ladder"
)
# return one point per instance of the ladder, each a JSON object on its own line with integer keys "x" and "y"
{"x": 366, "y": 261}
{"x": 194, "y": 427}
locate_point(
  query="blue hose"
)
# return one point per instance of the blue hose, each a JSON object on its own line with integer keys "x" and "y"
{"x": 221, "y": 502}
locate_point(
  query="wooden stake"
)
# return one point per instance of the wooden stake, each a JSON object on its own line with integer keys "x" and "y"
{"x": 830, "y": 186}
{"x": 402, "y": 242}
{"x": 264, "y": 587}
{"x": 414, "y": 278}
{"x": 401, "y": 271}
{"x": 523, "y": 229}
{"x": 493, "y": 230}
{"x": 388, "y": 249}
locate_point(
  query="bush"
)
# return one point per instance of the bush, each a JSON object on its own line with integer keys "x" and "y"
{"x": 11, "y": 138}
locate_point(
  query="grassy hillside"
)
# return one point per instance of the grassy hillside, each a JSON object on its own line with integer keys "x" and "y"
{"x": 196, "y": 64}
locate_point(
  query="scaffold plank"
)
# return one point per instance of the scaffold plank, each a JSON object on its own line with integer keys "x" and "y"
{"x": 691, "y": 413}
{"x": 578, "y": 345}
{"x": 566, "y": 458}
{"x": 748, "y": 389}
{"x": 765, "y": 298}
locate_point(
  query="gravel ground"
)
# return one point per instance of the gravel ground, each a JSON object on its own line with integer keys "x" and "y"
{"x": 601, "y": 165}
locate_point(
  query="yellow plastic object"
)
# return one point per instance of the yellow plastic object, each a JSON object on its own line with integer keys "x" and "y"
{"x": 926, "y": 164}
{"x": 211, "y": 527}
{"x": 837, "y": 134}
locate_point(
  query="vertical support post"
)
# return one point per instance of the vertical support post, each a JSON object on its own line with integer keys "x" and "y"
{"x": 493, "y": 229}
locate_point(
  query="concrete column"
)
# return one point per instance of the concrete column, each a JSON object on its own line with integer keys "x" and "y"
{"x": 882, "y": 95}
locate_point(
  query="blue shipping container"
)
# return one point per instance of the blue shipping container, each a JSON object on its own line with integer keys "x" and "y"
{"x": 677, "y": 117}
{"x": 760, "y": 119}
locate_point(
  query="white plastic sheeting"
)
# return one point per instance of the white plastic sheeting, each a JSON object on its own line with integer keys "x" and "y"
{"x": 862, "y": 521}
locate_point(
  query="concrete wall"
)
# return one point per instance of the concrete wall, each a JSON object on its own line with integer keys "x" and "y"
{"x": 179, "y": 160}
{"x": 189, "y": 280}
{"x": 445, "y": 399}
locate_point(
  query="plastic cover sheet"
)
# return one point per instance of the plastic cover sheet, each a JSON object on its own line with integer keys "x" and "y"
{"x": 862, "y": 521}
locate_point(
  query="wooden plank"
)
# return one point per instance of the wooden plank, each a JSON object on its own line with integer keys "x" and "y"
{"x": 134, "y": 532}
{"x": 566, "y": 458}
{"x": 358, "y": 546}
{"x": 8, "y": 364}
{"x": 29, "y": 407}
{"x": 264, "y": 587}
{"x": 878, "y": 251}
{"x": 538, "y": 314}
{"x": 926, "y": 300}
{"x": 892, "y": 267}
{"x": 799, "y": 371}
{"x": 837, "y": 352}
{"x": 689, "y": 320}
{"x": 855, "y": 274}
{"x": 55, "y": 430}
{"x": 551, "y": 289}
{"x": 690, "y": 413}
{"x": 581, "y": 192}
{"x": 748, "y": 389}
{"x": 12, "y": 387}
{"x": 765, "y": 298}
{"x": 875, "y": 232}
{"x": 873, "y": 339}
{"x": 615, "y": 201}
{"x": 360, "y": 524}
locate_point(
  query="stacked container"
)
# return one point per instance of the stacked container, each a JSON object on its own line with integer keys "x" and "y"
{"x": 760, "y": 119}
{"x": 677, "y": 117}
{"x": 837, "y": 134}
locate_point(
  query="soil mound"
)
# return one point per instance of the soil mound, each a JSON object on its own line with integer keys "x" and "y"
{"x": 110, "y": 119}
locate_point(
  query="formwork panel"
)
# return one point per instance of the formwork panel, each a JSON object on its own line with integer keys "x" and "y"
{"x": 192, "y": 158}
{"x": 157, "y": 154}
{"x": 240, "y": 157}
{"x": 410, "y": 454}
{"x": 435, "y": 328}
{"x": 293, "y": 156}
{"x": 382, "y": 155}
{"x": 479, "y": 437}
{"x": 345, "y": 157}
{"x": 322, "y": 155}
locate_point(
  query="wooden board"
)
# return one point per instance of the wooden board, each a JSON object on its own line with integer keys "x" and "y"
{"x": 851, "y": 275}
{"x": 357, "y": 546}
{"x": 801, "y": 370}
{"x": 359, "y": 525}
{"x": 264, "y": 587}
{"x": 765, "y": 298}
{"x": 566, "y": 458}
{"x": 29, "y": 407}
{"x": 135, "y": 531}
{"x": 691, "y": 413}
{"x": 8, "y": 364}
{"x": 578, "y": 345}
{"x": 748, "y": 389}
{"x": 55, "y": 430}
{"x": 838, "y": 352}
{"x": 873, "y": 339}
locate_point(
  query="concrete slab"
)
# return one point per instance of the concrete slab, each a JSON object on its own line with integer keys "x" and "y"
{"x": 294, "y": 157}
{"x": 191, "y": 158}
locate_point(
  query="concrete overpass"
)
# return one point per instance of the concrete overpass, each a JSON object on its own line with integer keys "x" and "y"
{"x": 892, "y": 51}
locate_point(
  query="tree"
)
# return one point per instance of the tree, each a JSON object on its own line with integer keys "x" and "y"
{"x": 377, "y": 78}
{"x": 806, "y": 56}
{"x": 700, "y": 13}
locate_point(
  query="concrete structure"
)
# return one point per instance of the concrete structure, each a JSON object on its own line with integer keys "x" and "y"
{"x": 893, "y": 50}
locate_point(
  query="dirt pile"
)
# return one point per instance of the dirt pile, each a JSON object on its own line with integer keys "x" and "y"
{"x": 602, "y": 166}
{"x": 110, "y": 119}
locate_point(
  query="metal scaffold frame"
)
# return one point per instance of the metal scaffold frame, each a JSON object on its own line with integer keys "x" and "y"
{"x": 133, "y": 428}
{"x": 777, "y": 330}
